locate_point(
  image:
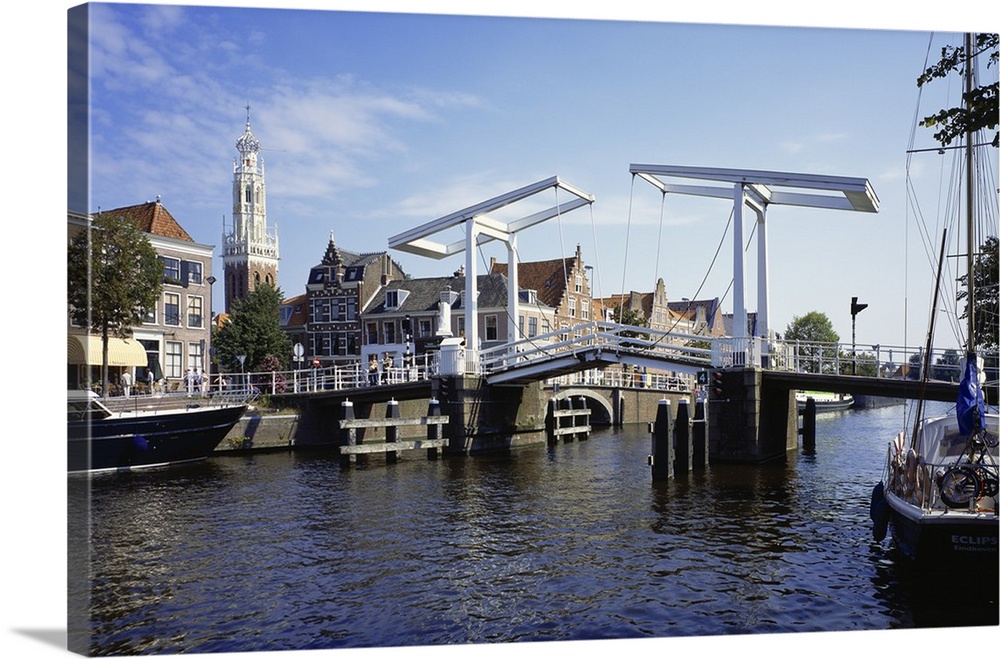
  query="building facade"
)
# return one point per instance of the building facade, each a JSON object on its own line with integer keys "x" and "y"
{"x": 327, "y": 319}
{"x": 176, "y": 337}
{"x": 560, "y": 284}
{"x": 409, "y": 317}
{"x": 249, "y": 246}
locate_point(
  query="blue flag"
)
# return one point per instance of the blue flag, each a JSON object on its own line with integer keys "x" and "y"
{"x": 970, "y": 408}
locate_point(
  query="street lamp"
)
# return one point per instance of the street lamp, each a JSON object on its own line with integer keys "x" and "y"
{"x": 207, "y": 367}
{"x": 856, "y": 308}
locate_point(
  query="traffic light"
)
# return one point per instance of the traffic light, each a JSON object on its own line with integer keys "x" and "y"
{"x": 717, "y": 389}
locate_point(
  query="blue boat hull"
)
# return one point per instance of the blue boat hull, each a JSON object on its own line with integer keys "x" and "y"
{"x": 123, "y": 443}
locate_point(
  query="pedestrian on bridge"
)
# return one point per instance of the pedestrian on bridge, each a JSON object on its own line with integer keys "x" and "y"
{"x": 386, "y": 365}
{"x": 373, "y": 370}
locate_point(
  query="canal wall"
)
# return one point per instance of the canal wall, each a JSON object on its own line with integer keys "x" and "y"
{"x": 482, "y": 418}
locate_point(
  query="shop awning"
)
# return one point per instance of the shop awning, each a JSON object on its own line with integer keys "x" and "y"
{"x": 86, "y": 349}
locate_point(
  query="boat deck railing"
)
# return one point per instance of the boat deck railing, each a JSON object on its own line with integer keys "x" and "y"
{"x": 179, "y": 400}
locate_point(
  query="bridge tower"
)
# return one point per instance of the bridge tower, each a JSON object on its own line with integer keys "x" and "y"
{"x": 749, "y": 422}
{"x": 481, "y": 229}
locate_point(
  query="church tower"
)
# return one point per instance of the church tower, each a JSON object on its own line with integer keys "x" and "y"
{"x": 250, "y": 251}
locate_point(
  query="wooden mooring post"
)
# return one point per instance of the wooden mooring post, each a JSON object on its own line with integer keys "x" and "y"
{"x": 808, "y": 429}
{"x": 392, "y": 423}
{"x": 682, "y": 438}
{"x": 661, "y": 456}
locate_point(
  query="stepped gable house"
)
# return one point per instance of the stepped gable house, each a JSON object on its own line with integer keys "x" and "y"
{"x": 327, "y": 319}
{"x": 558, "y": 283}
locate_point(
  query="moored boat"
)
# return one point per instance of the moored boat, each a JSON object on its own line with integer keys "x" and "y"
{"x": 147, "y": 431}
{"x": 940, "y": 495}
{"x": 825, "y": 402}
{"x": 940, "y": 485}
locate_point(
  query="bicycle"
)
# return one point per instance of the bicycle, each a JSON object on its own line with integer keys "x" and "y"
{"x": 966, "y": 482}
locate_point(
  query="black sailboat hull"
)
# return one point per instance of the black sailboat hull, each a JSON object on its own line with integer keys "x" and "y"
{"x": 122, "y": 443}
{"x": 966, "y": 542}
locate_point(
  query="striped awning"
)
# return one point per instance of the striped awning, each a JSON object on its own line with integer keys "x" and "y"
{"x": 86, "y": 349}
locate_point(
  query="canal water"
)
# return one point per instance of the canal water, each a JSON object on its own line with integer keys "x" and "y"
{"x": 289, "y": 551}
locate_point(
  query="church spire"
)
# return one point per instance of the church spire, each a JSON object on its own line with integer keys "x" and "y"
{"x": 250, "y": 250}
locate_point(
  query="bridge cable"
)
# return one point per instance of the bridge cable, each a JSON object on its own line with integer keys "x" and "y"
{"x": 704, "y": 279}
{"x": 628, "y": 231}
{"x": 659, "y": 235}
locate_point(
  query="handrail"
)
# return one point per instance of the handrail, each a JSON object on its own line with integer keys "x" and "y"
{"x": 883, "y": 361}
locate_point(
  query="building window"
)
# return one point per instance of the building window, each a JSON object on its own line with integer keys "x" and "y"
{"x": 572, "y": 307}
{"x": 173, "y": 359}
{"x": 172, "y": 309}
{"x": 372, "y": 334}
{"x": 491, "y": 328}
{"x": 194, "y": 313}
{"x": 150, "y": 318}
{"x": 532, "y": 326}
{"x": 545, "y": 326}
{"x": 194, "y": 356}
{"x": 579, "y": 283}
{"x": 194, "y": 272}
{"x": 321, "y": 310}
{"x": 520, "y": 326}
{"x": 352, "y": 309}
{"x": 171, "y": 270}
{"x": 584, "y": 312}
{"x": 389, "y": 331}
{"x": 423, "y": 328}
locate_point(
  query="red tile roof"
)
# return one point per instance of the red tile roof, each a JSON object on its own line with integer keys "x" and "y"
{"x": 151, "y": 217}
{"x": 546, "y": 278}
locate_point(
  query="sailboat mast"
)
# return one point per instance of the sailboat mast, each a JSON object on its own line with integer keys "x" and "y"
{"x": 969, "y": 202}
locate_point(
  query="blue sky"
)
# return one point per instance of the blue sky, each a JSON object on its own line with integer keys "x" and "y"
{"x": 375, "y": 123}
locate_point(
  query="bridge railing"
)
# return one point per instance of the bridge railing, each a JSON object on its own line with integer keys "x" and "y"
{"x": 612, "y": 337}
{"x": 873, "y": 360}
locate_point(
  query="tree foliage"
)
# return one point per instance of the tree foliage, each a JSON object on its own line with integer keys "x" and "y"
{"x": 252, "y": 330}
{"x": 987, "y": 309}
{"x": 813, "y": 329}
{"x": 113, "y": 278}
{"x": 979, "y": 107}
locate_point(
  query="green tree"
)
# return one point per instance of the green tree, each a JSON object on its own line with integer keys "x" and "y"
{"x": 947, "y": 367}
{"x": 815, "y": 332}
{"x": 987, "y": 308}
{"x": 979, "y": 107}
{"x": 253, "y": 330}
{"x": 113, "y": 278}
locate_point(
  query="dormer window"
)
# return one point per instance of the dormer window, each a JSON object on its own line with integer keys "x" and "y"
{"x": 395, "y": 298}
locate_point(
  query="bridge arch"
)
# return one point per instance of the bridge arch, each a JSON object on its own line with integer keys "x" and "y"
{"x": 601, "y": 409}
